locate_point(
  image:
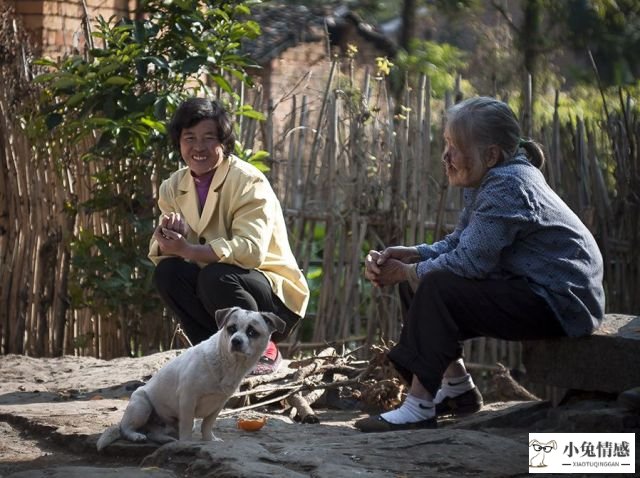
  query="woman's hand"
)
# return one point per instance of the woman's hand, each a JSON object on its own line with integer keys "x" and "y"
{"x": 393, "y": 265}
{"x": 371, "y": 269}
{"x": 407, "y": 255}
{"x": 171, "y": 236}
{"x": 175, "y": 222}
{"x": 394, "y": 271}
{"x": 171, "y": 243}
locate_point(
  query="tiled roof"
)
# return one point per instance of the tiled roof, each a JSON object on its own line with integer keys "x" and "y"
{"x": 340, "y": 20}
{"x": 284, "y": 26}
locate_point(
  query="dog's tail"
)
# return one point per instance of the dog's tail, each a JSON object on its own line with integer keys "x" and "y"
{"x": 110, "y": 435}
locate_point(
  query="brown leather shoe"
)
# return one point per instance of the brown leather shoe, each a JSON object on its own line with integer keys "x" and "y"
{"x": 376, "y": 424}
{"x": 464, "y": 404}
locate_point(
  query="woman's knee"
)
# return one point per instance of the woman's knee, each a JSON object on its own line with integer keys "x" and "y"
{"x": 217, "y": 273}
{"x": 438, "y": 282}
{"x": 166, "y": 272}
{"x": 442, "y": 290}
{"x": 224, "y": 279}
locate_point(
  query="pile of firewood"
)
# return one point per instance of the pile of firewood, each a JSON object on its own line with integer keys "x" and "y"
{"x": 342, "y": 381}
{"x": 326, "y": 379}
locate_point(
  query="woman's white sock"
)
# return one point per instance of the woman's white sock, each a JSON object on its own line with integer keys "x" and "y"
{"x": 413, "y": 410}
{"x": 452, "y": 387}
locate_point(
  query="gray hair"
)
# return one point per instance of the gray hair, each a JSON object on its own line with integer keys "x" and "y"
{"x": 477, "y": 123}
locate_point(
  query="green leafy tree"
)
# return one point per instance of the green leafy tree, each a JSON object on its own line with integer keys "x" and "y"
{"x": 112, "y": 103}
{"x": 611, "y": 32}
{"x": 440, "y": 61}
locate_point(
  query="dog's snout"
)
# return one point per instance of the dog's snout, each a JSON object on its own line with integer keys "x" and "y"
{"x": 236, "y": 343}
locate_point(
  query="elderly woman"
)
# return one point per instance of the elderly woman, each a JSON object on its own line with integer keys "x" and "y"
{"x": 519, "y": 265}
{"x": 221, "y": 240}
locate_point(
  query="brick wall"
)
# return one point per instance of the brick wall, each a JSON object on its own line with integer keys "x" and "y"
{"x": 55, "y": 26}
{"x": 291, "y": 67}
{"x": 311, "y": 59}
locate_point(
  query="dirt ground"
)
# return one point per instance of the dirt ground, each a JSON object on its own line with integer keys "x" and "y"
{"x": 53, "y": 410}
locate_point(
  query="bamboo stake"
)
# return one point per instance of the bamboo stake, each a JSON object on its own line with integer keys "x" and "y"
{"x": 309, "y": 188}
{"x": 268, "y": 135}
{"x": 554, "y": 157}
{"x": 338, "y": 315}
{"x": 351, "y": 290}
{"x": 290, "y": 188}
{"x": 582, "y": 163}
{"x": 527, "y": 111}
{"x": 425, "y": 161}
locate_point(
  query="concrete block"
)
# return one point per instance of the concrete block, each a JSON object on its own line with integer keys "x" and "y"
{"x": 607, "y": 361}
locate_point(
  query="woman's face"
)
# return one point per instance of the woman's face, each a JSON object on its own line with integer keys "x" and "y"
{"x": 200, "y": 147}
{"x": 462, "y": 170}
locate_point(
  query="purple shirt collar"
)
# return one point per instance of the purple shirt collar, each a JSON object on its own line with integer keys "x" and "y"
{"x": 202, "y": 186}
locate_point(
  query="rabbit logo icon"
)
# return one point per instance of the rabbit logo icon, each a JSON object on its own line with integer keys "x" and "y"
{"x": 539, "y": 452}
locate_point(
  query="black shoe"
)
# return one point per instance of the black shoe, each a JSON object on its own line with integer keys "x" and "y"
{"x": 376, "y": 423}
{"x": 630, "y": 398}
{"x": 464, "y": 404}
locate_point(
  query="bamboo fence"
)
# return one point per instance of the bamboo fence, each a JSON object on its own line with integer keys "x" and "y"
{"x": 353, "y": 172}
{"x": 41, "y": 191}
{"x": 34, "y": 258}
{"x": 372, "y": 179}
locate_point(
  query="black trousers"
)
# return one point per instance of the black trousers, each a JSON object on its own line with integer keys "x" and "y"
{"x": 195, "y": 294}
{"x": 448, "y": 309}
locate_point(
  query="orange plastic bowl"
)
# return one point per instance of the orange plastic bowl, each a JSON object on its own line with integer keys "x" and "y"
{"x": 251, "y": 424}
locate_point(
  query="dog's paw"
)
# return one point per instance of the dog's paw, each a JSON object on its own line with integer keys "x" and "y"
{"x": 135, "y": 437}
{"x": 211, "y": 437}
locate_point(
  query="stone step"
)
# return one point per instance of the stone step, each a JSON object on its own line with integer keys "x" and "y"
{"x": 607, "y": 361}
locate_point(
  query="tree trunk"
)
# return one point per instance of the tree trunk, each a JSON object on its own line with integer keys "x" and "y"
{"x": 408, "y": 31}
{"x": 530, "y": 46}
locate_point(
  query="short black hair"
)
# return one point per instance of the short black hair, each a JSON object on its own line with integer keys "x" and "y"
{"x": 193, "y": 110}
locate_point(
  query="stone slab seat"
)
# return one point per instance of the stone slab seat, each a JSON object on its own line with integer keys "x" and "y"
{"x": 607, "y": 361}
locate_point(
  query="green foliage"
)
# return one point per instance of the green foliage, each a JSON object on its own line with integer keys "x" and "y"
{"x": 611, "y": 30}
{"x": 583, "y": 101}
{"x": 440, "y": 61}
{"x": 112, "y": 104}
{"x": 257, "y": 158}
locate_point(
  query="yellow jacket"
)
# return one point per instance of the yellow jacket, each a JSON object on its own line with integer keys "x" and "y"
{"x": 243, "y": 223}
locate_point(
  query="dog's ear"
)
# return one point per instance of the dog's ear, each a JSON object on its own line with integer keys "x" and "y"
{"x": 553, "y": 444}
{"x": 273, "y": 321}
{"x": 534, "y": 442}
{"x": 222, "y": 315}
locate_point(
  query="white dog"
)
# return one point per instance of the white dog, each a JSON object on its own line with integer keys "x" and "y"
{"x": 197, "y": 383}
